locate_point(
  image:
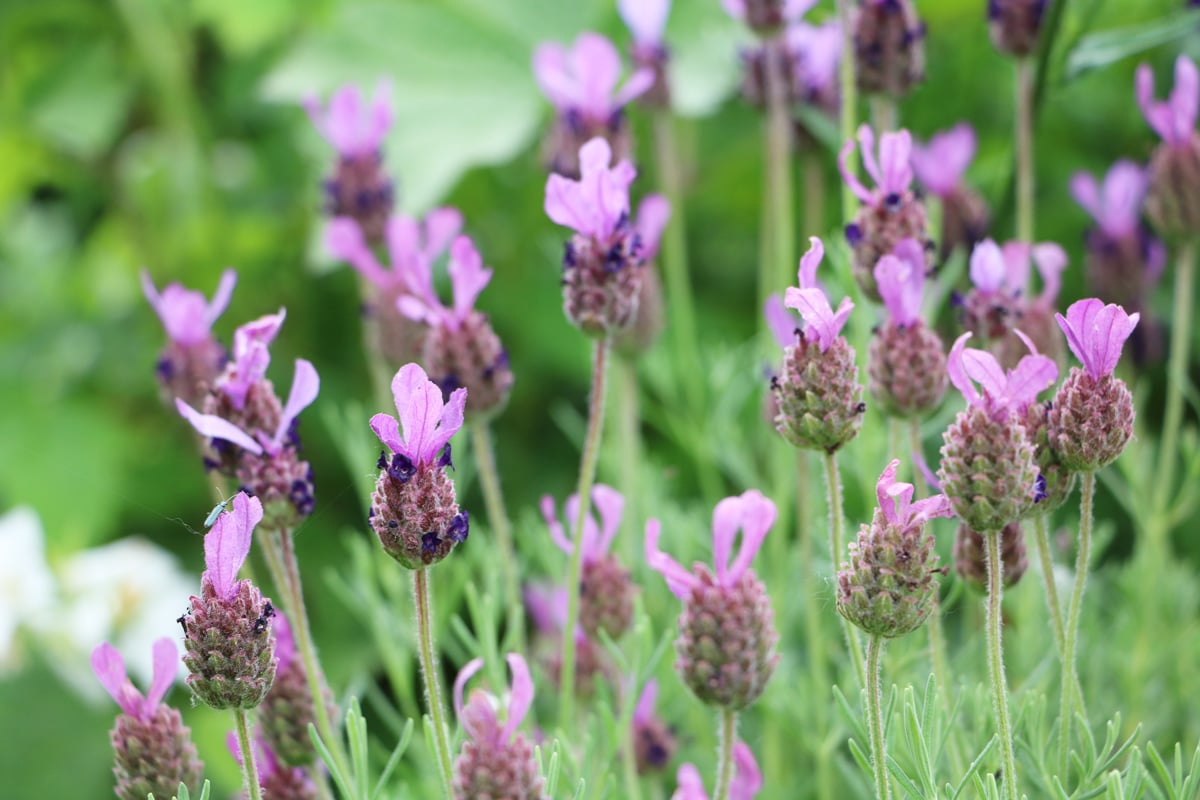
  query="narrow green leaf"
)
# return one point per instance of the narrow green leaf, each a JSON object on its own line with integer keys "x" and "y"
{"x": 393, "y": 760}
{"x": 1103, "y": 48}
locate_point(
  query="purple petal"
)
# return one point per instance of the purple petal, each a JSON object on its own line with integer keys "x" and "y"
{"x": 388, "y": 431}
{"x": 1096, "y": 333}
{"x": 566, "y": 205}
{"x": 419, "y": 405}
{"x": 1032, "y": 374}
{"x": 941, "y": 164}
{"x": 644, "y": 710}
{"x": 110, "y": 671}
{"x": 1184, "y": 99}
{"x": 1086, "y": 192}
{"x": 547, "y": 607}
{"x": 883, "y": 494}
{"x": 305, "y": 385}
{"x": 259, "y": 332}
{"x": 550, "y": 71}
{"x": 679, "y": 580}
{"x": 449, "y": 423}
{"x": 596, "y": 65}
{"x": 228, "y": 543}
{"x": 987, "y": 268}
{"x": 866, "y": 147}
{"x": 818, "y": 316}
{"x": 794, "y": 9}
{"x": 809, "y": 262}
{"x": 747, "y": 780}
{"x": 1158, "y": 115}
{"x": 610, "y": 505}
{"x": 521, "y": 697}
{"x": 1051, "y": 260}
{"x": 957, "y": 372}
{"x": 441, "y": 226}
{"x": 419, "y": 310}
{"x": 689, "y": 785}
{"x": 1124, "y": 189}
{"x": 646, "y": 19}
{"x": 985, "y": 370}
{"x": 590, "y": 532}
{"x": 166, "y": 660}
{"x": 895, "y": 150}
{"x": 467, "y": 275}
{"x": 1017, "y": 266}
{"x": 892, "y": 277}
{"x": 637, "y": 85}
{"x": 782, "y": 324}
{"x": 465, "y": 674}
{"x": 757, "y": 516}
{"x": 556, "y": 529}
{"x": 849, "y": 176}
{"x": 221, "y": 297}
{"x": 285, "y": 642}
{"x": 936, "y": 506}
{"x": 214, "y": 427}
{"x": 653, "y": 214}
{"x": 344, "y": 240}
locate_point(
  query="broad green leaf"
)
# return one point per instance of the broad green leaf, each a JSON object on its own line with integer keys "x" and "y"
{"x": 1103, "y": 48}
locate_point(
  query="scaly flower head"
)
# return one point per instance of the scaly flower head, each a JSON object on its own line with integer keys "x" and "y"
{"x": 597, "y": 204}
{"x": 1117, "y": 204}
{"x": 822, "y": 322}
{"x": 110, "y": 671}
{"x": 941, "y": 164}
{"x": 583, "y": 79}
{"x": 1096, "y": 333}
{"x": 185, "y": 314}
{"x": 1003, "y": 392}
{"x": 901, "y": 280}
{"x": 426, "y": 422}
{"x": 1174, "y": 120}
{"x": 354, "y": 127}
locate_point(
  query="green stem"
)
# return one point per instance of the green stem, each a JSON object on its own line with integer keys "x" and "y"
{"x": 1024, "y": 144}
{"x": 916, "y": 451}
{"x": 883, "y": 789}
{"x": 834, "y": 501}
{"x": 493, "y": 500}
{"x": 725, "y": 743}
{"x": 812, "y": 181}
{"x": 629, "y": 446}
{"x": 587, "y": 476}
{"x": 849, "y": 94}
{"x": 249, "y": 769}
{"x": 883, "y": 113}
{"x": 995, "y": 647}
{"x": 633, "y": 787}
{"x": 894, "y": 439}
{"x": 777, "y": 265}
{"x": 1070, "y": 677}
{"x": 433, "y": 688}
{"x": 1042, "y": 538}
{"x": 814, "y": 636}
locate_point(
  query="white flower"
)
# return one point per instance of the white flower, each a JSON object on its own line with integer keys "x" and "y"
{"x": 26, "y": 583}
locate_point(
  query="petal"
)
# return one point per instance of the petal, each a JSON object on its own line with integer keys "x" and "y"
{"x": 227, "y": 544}
{"x": 610, "y": 505}
{"x": 596, "y": 64}
{"x": 1017, "y": 266}
{"x": 653, "y": 214}
{"x": 936, "y": 506}
{"x": 747, "y": 780}
{"x": 419, "y": 310}
{"x": 449, "y": 423}
{"x": 285, "y": 642}
{"x": 637, "y": 85}
{"x": 942, "y": 164}
{"x": 305, "y": 385}
{"x": 521, "y": 697}
{"x": 1124, "y": 189}
{"x": 1158, "y": 115}
{"x": 758, "y": 515}
{"x": 726, "y": 519}
{"x": 419, "y": 406}
{"x": 782, "y": 324}
{"x": 166, "y": 660}
{"x": 221, "y": 297}
{"x": 866, "y": 146}
{"x": 1050, "y": 260}
{"x": 344, "y": 240}
{"x": 987, "y": 268}
{"x": 737, "y": 10}
{"x": 380, "y": 120}
{"x": 1075, "y": 326}
{"x": 809, "y": 263}
{"x": 848, "y": 175}
{"x": 1032, "y": 374}
{"x": 818, "y": 316}
{"x": 985, "y": 370}
{"x": 678, "y": 579}
{"x": 465, "y": 674}
{"x": 152, "y": 295}
{"x": 891, "y": 276}
{"x": 556, "y": 529}
{"x": 214, "y": 427}
{"x": 110, "y": 671}
{"x": 1184, "y": 99}
{"x": 887, "y": 479}
{"x": 467, "y": 275}
{"x": 646, "y": 19}
{"x": 644, "y": 710}
{"x": 550, "y": 71}
{"x": 894, "y": 152}
{"x": 441, "y": 226}
{"x": 388, "y": 431}
{"x": 689, "y": 784}
{"x": 957, "y": 372}
{"x": 567, "y": 205}
{"x": 1087, "y": 193}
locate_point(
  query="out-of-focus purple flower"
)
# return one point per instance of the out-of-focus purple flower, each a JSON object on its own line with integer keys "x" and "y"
{"x": 646, "y": 20}
{"x": 901, "y": 280}
{"x": 751, "y": 11}
{"x": 583, "y": 79}
{"x": 354, "y": 127}
{"x": 468, "y": 277}
{"x": 1096, "y": 333}
{"x": 1003, "y": 393}
{"x": 251, "y": 357}
{"x": 751, "y": 513}
{"x": 895, "y": 501}
{"x": 941, "y": 164}
{"x": 821, "y": 321}
{"x": 478, "y": 715}
{"x": 110, "y": 671}
{"x": 185, "y": 314}
{"x": 596, "y": 539}
{"x": 782, "y": 323}
{"x": 653, "y": 742}
{"x": 277, "y": 779}
{"x": 1174, "y": 119}
{"x": 1116, "y": 204}
{"x": 745, "y": 785}
{"x": 892, "y": 172}
{"x": 596, "y": 204}
{"x": 815, "y": 52}
{"x": 413, "y": 245}
{"x": 426, "y": 420}
{"x": 653, "y": 215}
{"x": 228, "y": 543}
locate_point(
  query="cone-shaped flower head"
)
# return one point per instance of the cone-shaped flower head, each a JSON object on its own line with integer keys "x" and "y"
{"x": 647, "y": 21}
{"x": 889, "y": 46}
{"x": 288, "y": 710}
{"x": 653, "y": 742}
{"x": 603, "y": 265}
{"x": 817, "y": 392}
{"x": 192, "y": 358}
{"x": 970, "y": 554}
{"x": 940, "y": 166}
{"x": 988, "y": 469}
{"x": 1173, "y": 201}
{"x": 653, "y": 214}
{"x": 1091, "y": 419}
{"x": 890, "y": 212}
{"x": 605, "y": 590}
{"x": 767, "y": 16}
{"x": 725, "y": 652}
{"x": 905, "y": 361}
{"x": 413, "y": 508}
{"x": 359, "y": 187}
{"x": 227, "y": 630}
{"x": 581, "y": 83}
{"x": 888, "y": 584}
{"x": 496, "y": 760}
{"x": 152, "y": 749}
{"x": 277, "y": 780}
{"x": 1014, "y": 25}
{"x": 745, "y": 784}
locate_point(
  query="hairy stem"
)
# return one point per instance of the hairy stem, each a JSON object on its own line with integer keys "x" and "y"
{"x": 1024, "y": 145}
{"x": 778, "y": 259}
{"x": 1070, "y": 677}
{"x": 1042, "y": 538}
{"x": 995, "y": 648}
{"x": 725, "y": 742}
{"x": 834, "y": 500}
{"x": 916, "y": 450}
{"x": 249, "y": 768}
{"x": 849, "y": 93}
{"x": 429, "y": 671}
{"x": 814, "y": 635}
{"x": 493, "y": 500}
{"x": 883, "y": 789}
{"x": 629, "y": 447}
{"x": 587, "y": 476}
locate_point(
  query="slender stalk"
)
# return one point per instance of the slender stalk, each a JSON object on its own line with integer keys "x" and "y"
{"x": 725, "y": 742}
{"x": 1024, "y": 155}
{"x": 633, "y": 787}
{"x": 587, "y": 476}
{"x": 778, "y": 261}
{"x": 1042, "y": 538}
{"x": 249, "y": 768}
{"x": 433, "y": 688}
{"x": 895, "y": 436}
{"x": 1177, "y": 383}
{"x": 812, "y": 181}
{"x": 995, "y": 647}
{"x": 493, "y": 500}
{"x": 849, "y": 93}
{"x": 834, "y": 499}
{"x": 883, "y": 789}
{"x": 629, "y": 447}
{"x": 883, "y": 113}
{"x": 916, "y": 450}
{"x": 1070, "y": 677}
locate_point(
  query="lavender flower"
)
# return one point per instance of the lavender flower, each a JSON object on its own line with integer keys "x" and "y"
{"x": 647, "y": 21}
{"x": 940, "y": 166}
{"x": 1173, "y": 201}
{"x": 496, "y": 760}
{"x": 726, "y": 646}
{"x": 152, "y": 748}
{"x": 746, "y": 783}
{"x": 889, "y": 46}
{"x": 413, "y": 507}
{"x": 766, "y": 16}
{"x": 581, "y": 83}
{"x": 277, "y": 780}
{"x": 192, "y": 358}
{"x": 653, "y": 742}
{"x": 889, "y": 212}
{"x": 359, "y": 187}
{"x": 822, "y": 323}
{"x": 1014, "y": 25}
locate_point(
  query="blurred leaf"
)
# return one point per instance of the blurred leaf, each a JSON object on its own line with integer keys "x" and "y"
{"x": 705, "y": 67}
{"x": 83, "y": 102}
{"x": 1101, "y": 49}
{"x": 245, "y": 27}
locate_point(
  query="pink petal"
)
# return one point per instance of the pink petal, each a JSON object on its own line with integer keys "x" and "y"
{"x": 646, "y": 19}
{"x": 757, "y": 516}
{"x": 891, "y": 275}
{"x": 1087, "y": 193}
{"x": 637, "y": 85}
{"x": 388, "y": 431}
{"x": 151, "y": 293}
{"x": 596, "y": 65}
{"x": 1157, "y": 114}
{"x": 679, "y": 580}
{"x": 887, "y": 479}
{"x": 305, "y": 385}
{"x": 449, "y": 423}
{"x": 1051, "y": 260}
{"x": 465, "y": 674}
{"x": 214, "y": 427}
{"x": 735, "y": 9}
{"x": 285, "y": 642}
{"x": 985, "y": 370}
{"x": 1124, "y": 189}
{"x": 610, "y": 505}
{"x": 894, "y": 152}
{"x": 467, "y": 275}
{"x": 747, "y": 780}
{"x": 866, "y": 147}
{"x": 1032, "y": 374}
{"x": 381, "y": 117}
{"x": 166, "y": 660}
{"x": 419, "y": 405}
{"x": 566, "y": 205}
{"x": 653, "y": 214}
{"x": 689, "y": 784}
{"x": 782, "y": 324}
{"x": 344, "y": 240}
{"x": 849, "y": 176}
{"x": 553, "y": 78}
{"x": 228, "y": 543}
{"x": 1184, "y": 99}
{"x": 941, "y": 164}
{"x": 818, "y": 316}
{"x": 110, "y": 671}
{"x": 794, "y": 9}
{"x": 547, "y": 607}
{"x": 521, "y": 697}
{"x": 261, "y": 331}
{"x": 726, "y": 519}
{"x": 644, "y": 710}
{"x": 419, "y": 310}
{"x": 809, "y": 263}
{"x": 987, "y": 268}
{"x": 556, "y": 529}
{"x": 957, "y": 372}
{"x": 441, "y": 226}
{"x": 936, "y": 506}
{"x": 222, "y": 296}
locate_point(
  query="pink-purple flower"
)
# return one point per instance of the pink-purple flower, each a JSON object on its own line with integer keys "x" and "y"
{"x": 896, "y": 505}
{"x": 478, "y": 714}
{"x": 821, "y": 321}
{"x": 745, "y": 785}
{"x": 597, "y": 204}
{"x": 1003, "y": 393}
{"x": 1009, "y": 269}
{"x": 185, "y": 314}
{"x": 900, "y": 276}
{"x": 1174, "y": 119}
{"x": 1096, "y": 333}
{"x": 426, "y": 422}
{"x": 354, "y": 127}
{"x": 583, "y": 80}
{"x": 468, "y": 277}
{"x": 816, "y": 52}
{"x": 110, "y": 671}
{"x": 941, "y": 164}
{"x": 646, "y": 20}
{"x": 653, "y": 214}
{"x": 791, "y": 9}
{"x": 595, "y": 539}
{"x": 228, "y": 543}
{"x": 781, "y": 322}
{"x": 412, "y": 244}
{"x": 751, "y": 513}
{"x": 892, "y": 171}
{"x": 1115, "y": 205}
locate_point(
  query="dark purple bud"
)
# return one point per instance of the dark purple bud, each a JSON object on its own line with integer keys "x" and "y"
{"x": 853, "y": 234}
{"x": 1039, "y": 489}
{"x": 444, "y": 460}
{"x": 382, "y": 463}
{"x": 402, "y": 468}
{"x": 430, "y": 542}
{"x": 460, "y": 526}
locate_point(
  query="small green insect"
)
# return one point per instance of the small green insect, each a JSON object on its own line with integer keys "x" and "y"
{"x": 218, "y": 509}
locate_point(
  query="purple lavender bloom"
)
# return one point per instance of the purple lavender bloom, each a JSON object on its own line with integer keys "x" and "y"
{"x": 478, "y": 715}
{"x": 782, "y": 323}
{"x": 1117, "y": 204}
{"x": 646, "y": 20}
{"x": 892, "y": 172}
{"x": 251, "y": 357}
{"x": 426, "y": 420}
{"x": 110, "y": 671}
{"x": 597, "y": 205}
{"x": 185, "y": 314}
{"x": 1003, "y": 393}
{"x": 746, "y": 783}
{"x": 468, "y": 277}
{"x": 228, "y": 543}
{"x": 901, "y": 280}
{"x": 354, "y": 128}
{"x": 583, "y": 80}
{"x": 815, "y": 54}
{"x": 1096, "y": 333}
{"x": 1174, "y": 120}
{"x": 941, "y": 164}
{"x": 653, "y": 742}
{"x": 895, "y": 500}
{"x": 1003, "y": 298}
{"x": 412, "y": 245}
{"x": 595, "y": 539}
{"x": 822, "y": 322}
{"x": 653, "y": 214}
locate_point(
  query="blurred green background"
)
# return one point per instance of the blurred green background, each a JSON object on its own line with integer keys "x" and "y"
{"x": 169, "y": 135}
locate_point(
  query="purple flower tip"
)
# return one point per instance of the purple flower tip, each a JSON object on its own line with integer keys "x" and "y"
{"x": 595, "y": 204}
{"x": 1002, "y": 391}
{"x": 596, "y": 538}
{"x": 353, "y": 127}
{"x": 782, "y": 323}
{"x": 653, "y": 214}
{"x": 478, "y": 715}
{"x": 895, "y": 501}
{"x": 110, "y": 671}
{"x": 228, "y": 543}
{"x": 1117, "y": 204}
{"x": 1175, "y": 119}
{"x": 426, "y": 420}
{"x": 584, "y": 78}
{"x": 1096, "y": 333}
{"x": 821, "y": 321}
{"x": 941, "y": 164}
{"x": 746, "y": 783}
{"x": 901, "y": 280}
{"x": 892, "y": 171}
{"x": 646, "y": 19}
{"x": 185, "y": 314}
